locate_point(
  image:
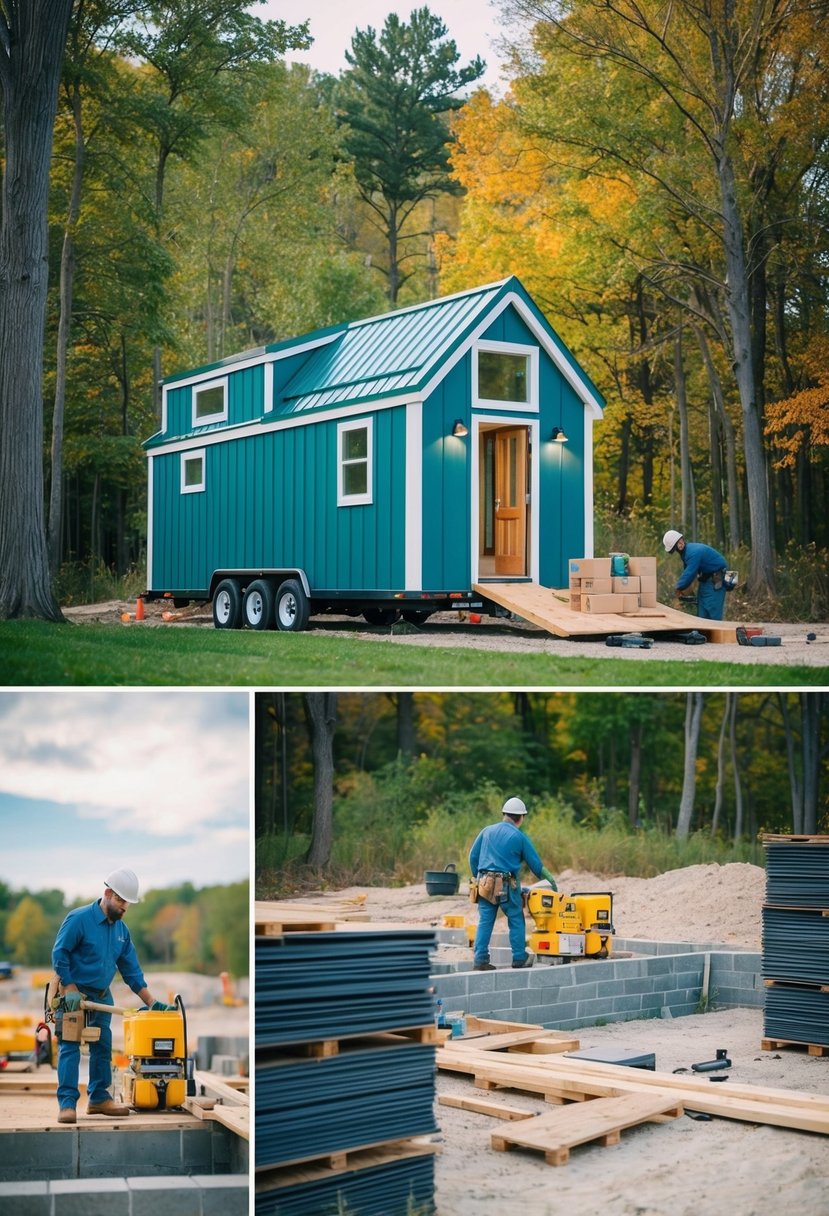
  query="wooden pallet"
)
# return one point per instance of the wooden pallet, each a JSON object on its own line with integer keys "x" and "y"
{"x": 533, "y": 1041}
{"x": 320, "y": 1049}
{"x": 772, "y": 838}
{"x": 601, "y": 1120}
{"x": 814, "y": 1049}
{"x": 274, "y": 1178}
{"x": 480, "y": 1106}
{"x": 796, "y": 984}
{"x": 272, "y": 918}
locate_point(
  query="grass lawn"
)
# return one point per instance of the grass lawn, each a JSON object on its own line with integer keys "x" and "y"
{"x": 38, "y": 653}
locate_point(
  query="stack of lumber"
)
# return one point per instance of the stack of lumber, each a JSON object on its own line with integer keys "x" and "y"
{"x": 597, "y": 1102}
{"x": 594, "y": 587}
{"x": 796, "y": 942}
{"x": 345, "y": 1066}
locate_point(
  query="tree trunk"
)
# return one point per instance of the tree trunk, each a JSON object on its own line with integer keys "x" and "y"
{"x": 795, "y": 784}
{"x": 718, "y": 796}
{"x": 735, "y": 768}
{"x": 693, "y": 718}
{"x": 321, "y": 716}
{"x": 812, "y": 705}
{"x": 406, "y": 741}
{"x": 635, "y": 772}
{"x": 684, "y": 440}
{"x": 32, "y": 42}
{"x": 727, "y": 426}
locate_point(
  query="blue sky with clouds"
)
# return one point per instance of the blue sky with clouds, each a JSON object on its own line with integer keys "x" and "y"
{"x": 157, "y": 781}
{"x": 475, "y": 26}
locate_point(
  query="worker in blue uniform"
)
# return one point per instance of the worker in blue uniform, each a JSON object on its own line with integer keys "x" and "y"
{"x": 92, "y": 944}
{"x": 705, "y": 564}
{"x": 495, "y": 859}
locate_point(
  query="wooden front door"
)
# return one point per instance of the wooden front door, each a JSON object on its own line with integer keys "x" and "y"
{"x": 511, "y": 460}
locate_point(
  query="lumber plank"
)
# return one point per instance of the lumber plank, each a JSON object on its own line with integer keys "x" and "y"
{"x": 516, "y": 1039}
{"x": 479, "y": 1106}
{"x": 602, "y": 1120}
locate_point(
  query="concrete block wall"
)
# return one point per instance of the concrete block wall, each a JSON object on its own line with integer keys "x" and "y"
{"x": 569, "y": 996}
{"x": 190, "y": 1195}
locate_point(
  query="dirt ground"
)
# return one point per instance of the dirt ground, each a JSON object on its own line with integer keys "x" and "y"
{"x": 447, "y": 629}
{"x": 686, "y": 1167}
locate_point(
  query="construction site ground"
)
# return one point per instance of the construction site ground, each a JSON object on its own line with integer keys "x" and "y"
{"x": 507, "y": 634}
{"x": 681, "y": 1167}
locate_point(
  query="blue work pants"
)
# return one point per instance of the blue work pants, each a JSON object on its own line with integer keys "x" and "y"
{"x": 513, "y": 909}
{"x": 710, "y": 602}
{"x": 100, "y": 1061}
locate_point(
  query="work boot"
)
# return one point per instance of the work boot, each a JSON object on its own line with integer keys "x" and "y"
{"x": 526, "y": 962}
{"x": 107, "y": 1108}
{"x": 483, "y": 967}
{"x": 66, "y": 1114}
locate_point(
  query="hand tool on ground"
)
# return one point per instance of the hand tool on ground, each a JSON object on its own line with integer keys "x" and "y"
{"x": 635, "y": 640}
{"x": 721, "y": 1060}
{"x": 579, "y": 925}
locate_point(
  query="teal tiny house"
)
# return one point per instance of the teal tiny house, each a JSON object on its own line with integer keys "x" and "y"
{"x": 383, "y": 466}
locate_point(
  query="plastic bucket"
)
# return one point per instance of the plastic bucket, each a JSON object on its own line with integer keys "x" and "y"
{"x": 442, "y": 882}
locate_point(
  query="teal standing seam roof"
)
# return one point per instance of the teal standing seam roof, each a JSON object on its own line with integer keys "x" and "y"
{"x": 386, "y": 355}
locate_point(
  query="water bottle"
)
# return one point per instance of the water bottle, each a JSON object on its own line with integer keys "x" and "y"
{"x": 440, "y": 1016}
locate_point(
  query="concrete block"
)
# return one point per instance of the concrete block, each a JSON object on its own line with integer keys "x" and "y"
{"x": 200, "y": 1152}
{"x": 90, "y": 1197}
{"x": 451, "y": 986}
{"x": 25, "y": 1198}
{"x": 223, "y": 1194}
{"x": 608, "y": 989}
{"x": 126, "y": 1153}
{"x": 639, "y": 985}
{"x": 548, "y": 975}
{"x": 38, "y": 1155}
{"x": 170, "y": 1196}
{"x": 626, "y": 1004}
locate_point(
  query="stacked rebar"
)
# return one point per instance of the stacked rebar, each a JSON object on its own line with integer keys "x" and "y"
{"x": 796, "y": 940}
{"x": 338, "y": 1101}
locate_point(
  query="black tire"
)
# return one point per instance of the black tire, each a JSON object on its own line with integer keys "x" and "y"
{"x": 381, "y": 616}
{"x": 416, "y": 616}
{"x": 258, "y": 604}
{"x": 227, "y": 604}
{"x": 291, "y": 609}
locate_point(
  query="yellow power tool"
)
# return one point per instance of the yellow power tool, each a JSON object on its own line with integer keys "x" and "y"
{"x": 570, "y": 926}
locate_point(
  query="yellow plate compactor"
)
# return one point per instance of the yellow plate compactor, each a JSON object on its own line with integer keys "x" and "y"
{"x": 570, "y": 926}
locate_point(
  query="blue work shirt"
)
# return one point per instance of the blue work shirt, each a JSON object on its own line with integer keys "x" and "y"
{"x": 698, "y": 560}
{"x": 89, "y": 949}
{"x": 503, "y": 847}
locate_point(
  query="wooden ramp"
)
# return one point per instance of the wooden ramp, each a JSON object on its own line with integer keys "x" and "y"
{"x": 550, "y": 610}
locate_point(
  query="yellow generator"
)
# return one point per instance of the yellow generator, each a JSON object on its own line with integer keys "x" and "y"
{"x": 159, "y": 1076}
{"x": 570, "y": 926}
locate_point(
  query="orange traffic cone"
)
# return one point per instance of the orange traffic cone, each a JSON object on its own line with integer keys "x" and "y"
{"x": 139, "y": 609}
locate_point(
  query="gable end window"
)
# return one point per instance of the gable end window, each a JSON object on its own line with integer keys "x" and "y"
{"x": 210, "y": 402}
{"x": 354, "y": 463}
{"x": 192, "y": 472}
{"x": 505, "y": 374}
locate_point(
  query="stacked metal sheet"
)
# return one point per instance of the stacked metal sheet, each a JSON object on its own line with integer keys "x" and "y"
{"x": 327, "y": 985}
{"x": 797, "y": 874}
{"x": 329, "y": 1089}
{"x": 796, "y": 940}
{"x": 405, "y": 1185}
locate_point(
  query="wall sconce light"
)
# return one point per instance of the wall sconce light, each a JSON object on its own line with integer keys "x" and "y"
{"x": 460, "y": 429}
{"x": 558, "y": 435}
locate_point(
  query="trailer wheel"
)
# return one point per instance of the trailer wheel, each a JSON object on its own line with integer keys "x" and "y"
{"x": 381, "y": 616}
{"x": 416, "y": 616}
{"x": 227, "y": 605}
{"x": 292, "y": 607}
{"x": 258, "y": 604}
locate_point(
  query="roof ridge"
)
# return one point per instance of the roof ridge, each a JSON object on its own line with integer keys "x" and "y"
{"x": 424, "y": 304}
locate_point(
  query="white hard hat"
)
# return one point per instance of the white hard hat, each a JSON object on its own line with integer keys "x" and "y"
{"x": 670, "y": 538}
{"x": 513, "y": 806}
{"x": 125, "y": 884}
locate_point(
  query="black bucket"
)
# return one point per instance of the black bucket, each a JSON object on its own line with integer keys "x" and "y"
{"x": 442, "y": 882}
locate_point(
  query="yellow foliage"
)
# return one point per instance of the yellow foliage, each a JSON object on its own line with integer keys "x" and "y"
{"x": 802, "y": 420}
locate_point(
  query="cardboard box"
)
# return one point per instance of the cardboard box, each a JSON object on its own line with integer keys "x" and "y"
{"x": 642, "y": 565}
{"x": 647, "y": 584}
{"x": 602, "y": 603}
{"x": 575, "y": 603}
{"x": 627, "y": 584}
{"x": 597, "y": 586}
{"x": 590, "y": 567}
{"x": 630, "y": 603}
{"x": 647, "y": 599}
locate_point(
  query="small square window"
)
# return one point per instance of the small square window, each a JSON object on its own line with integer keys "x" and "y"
{"x": 354, "y": 443}
{"x": 210, "y": 402}
{"x": 503, "y": 377}
{"x": 192, "y": 472}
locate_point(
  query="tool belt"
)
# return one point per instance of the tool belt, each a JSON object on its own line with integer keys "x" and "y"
{"x": 716, "y": 578}
{"x": 491, "y": 885}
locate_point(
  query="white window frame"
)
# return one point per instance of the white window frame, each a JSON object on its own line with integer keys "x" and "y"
{"x": 507, "y": 348}
{"x": 193, "y": 454}
{"x": 219, "y": 415}
{"x": 355, "y": 500}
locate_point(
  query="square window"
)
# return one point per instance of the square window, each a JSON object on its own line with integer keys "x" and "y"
{"x": 503, "y": 377}
{"x": 354, "y": 444}
{"x": 192, "y": 472}
{"x": 210, "y": 402}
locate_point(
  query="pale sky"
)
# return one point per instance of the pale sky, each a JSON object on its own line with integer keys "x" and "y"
{"x": 92, "y": 781}
{"x": 474, "y": 25}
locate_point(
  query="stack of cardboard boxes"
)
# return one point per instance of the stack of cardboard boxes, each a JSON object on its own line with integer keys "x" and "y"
{"x": 594, "y": 587}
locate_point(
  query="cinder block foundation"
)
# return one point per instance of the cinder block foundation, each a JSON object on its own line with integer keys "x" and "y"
{"x": 664, "y": 979}
{"x": 199, "y": 1195}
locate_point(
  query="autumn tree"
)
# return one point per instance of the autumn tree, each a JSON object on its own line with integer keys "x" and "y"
{"x": 28, "y": 935}
{"x": 32, "y": 41}
{"x": 394, "y": 102}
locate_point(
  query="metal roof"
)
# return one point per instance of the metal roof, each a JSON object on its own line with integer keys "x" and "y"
{"x": 386, "y": 355}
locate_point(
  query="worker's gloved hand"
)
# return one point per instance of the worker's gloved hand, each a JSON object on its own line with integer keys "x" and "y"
{"x": 72, "y": 1001}
{"x": 160, "y": 1007}
{"x": 545, "y": 873}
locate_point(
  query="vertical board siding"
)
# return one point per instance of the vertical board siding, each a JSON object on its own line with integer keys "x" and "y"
{"x": 446, "y": 484}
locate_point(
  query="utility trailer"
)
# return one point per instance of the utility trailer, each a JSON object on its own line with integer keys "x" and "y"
{"x": 385, "y": 467}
